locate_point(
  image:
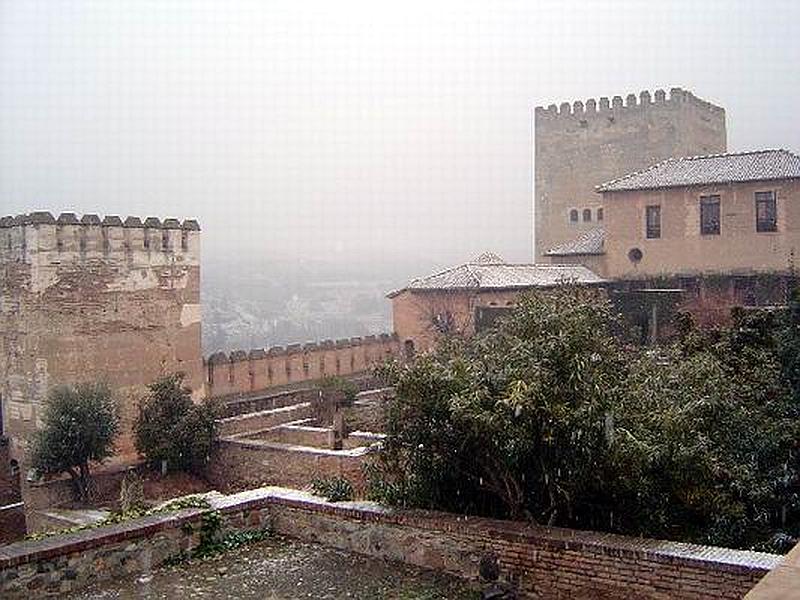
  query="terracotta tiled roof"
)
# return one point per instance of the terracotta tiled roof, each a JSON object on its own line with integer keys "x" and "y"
{"x": 488, "y": 271}
{"x": 590, "y": 242}
{"x": 761, "y": 165}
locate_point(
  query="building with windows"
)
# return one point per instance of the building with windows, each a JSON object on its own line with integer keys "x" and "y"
{"x": 461, "y": 299}
{"x": 724, "y": 214}
{"x": 579, "y": 146}
{"x": 700, "y": 233}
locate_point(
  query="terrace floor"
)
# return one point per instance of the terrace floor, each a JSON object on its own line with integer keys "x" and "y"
{"x": 281, "y": 569}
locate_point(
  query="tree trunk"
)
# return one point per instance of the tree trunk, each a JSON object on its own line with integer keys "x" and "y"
{"x": 80, "y": 482}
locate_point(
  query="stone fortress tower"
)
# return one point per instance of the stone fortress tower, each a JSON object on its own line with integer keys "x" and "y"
{"x": 578, "y": 147}
{"x": 85, "y": 299}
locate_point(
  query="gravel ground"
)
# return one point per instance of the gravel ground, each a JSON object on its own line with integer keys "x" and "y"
{"x": 280, "y": 569}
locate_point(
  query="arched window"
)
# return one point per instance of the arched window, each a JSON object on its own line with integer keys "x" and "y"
{"x": 573, "y": 215}
{"x": 587, "y": 215}
{"x": 600, "y": 214}
{"x": 408, "y": 347}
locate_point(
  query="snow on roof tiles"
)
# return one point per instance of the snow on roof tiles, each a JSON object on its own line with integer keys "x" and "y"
{"x": 589, "y": 242}
{"x": 760, "y": 165}
{"x": 484, "y": 273}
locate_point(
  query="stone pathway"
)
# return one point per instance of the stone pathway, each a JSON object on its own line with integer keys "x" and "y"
{"x": 281, "y": 569}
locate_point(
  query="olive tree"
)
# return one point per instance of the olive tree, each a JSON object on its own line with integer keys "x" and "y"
{"x": 80, "y": 424}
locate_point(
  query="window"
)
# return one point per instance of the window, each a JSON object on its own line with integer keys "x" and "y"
{"x": 573, "y": 216}
{"x": 587, "y": 214}
{"x": 600, "y": 214}
{"x": 653, "y": 222}
{"x": 184, "y": 240}
{"x": 165, "y": 240}
{"x": 709, "y": 215}
{"x": 766, "y": 212}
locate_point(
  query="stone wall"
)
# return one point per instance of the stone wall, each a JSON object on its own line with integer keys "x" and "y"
{"x": 242, "y": 373}
{"x": 578, "y": 146}
{"x": 238, "y": 464}
{"x": 57, "y": 491}
{"x": 94, "y": 299}
{"x": 547, "y": 563}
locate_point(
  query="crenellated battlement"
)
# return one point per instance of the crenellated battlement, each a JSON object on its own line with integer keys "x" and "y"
{"x": 581, "y": 144}
{"x": 68, "y": 238}
{"x": 677, "y": 96}
{"x": 242, "y": 372}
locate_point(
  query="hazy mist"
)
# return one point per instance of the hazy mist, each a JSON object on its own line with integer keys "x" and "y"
{"x": 342, "y": 129}
{"x": 344, "y": 132}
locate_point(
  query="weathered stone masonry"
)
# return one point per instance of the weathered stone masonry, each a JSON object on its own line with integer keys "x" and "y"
{"x": 578, "y": 146}
{"x": 546, "y": 563}
{"x": 94, "y": 299}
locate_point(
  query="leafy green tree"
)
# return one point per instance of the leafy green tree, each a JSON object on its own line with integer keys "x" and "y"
{"x": 170, "y": 428}
{"x": 80, "y": 425}
{"x": 512, "y": 422}
{"x": 550, "y": 417}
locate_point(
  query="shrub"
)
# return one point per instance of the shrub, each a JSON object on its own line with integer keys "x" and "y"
{"x": 333, "y": 489}
{"x": 171, "y": 427}
{"x": 512, "y": 422}
{"x": 550, "y": 417}
{"x": 80, "y": 424}
{"x": 341, "y": 387}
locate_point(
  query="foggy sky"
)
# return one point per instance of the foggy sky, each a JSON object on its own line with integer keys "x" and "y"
{"x": 334, "y": 129}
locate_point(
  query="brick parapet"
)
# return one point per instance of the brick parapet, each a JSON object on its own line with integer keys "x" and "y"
{"x": 556, "y": 563}
{"x": 245, "y": 372}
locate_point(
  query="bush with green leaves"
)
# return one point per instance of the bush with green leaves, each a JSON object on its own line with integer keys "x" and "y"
{"x": 80, "y": 424}
{"x": 172, "y": 428}
{"x": 340, "y": 386}
{"x": 510, "y": 423}
{"x": 550, "y": 417}
{"x": 333, "y": 489}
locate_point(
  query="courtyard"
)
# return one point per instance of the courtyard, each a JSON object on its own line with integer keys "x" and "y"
{"x": 282, "y": 569}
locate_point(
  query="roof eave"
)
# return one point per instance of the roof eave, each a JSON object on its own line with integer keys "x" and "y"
{"x": 601, "y": 190}
{"x": 557, "y": 254}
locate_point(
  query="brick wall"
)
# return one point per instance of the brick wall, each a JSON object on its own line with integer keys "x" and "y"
{"x": 241, "y": 373}
{"x": 546, "y": 562}
{"x": 238, "y": 464}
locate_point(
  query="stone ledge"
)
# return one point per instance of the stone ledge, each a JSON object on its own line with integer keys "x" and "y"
{"x": 607, "y": 544}
{"x": 546, "y": 538}
{"x": 79, "y": 541}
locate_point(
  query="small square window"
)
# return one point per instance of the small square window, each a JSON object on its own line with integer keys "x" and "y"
{"x": 653, "y": 222}
{"x": 709, "y": 215}
{"x": 766, "y": 212}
